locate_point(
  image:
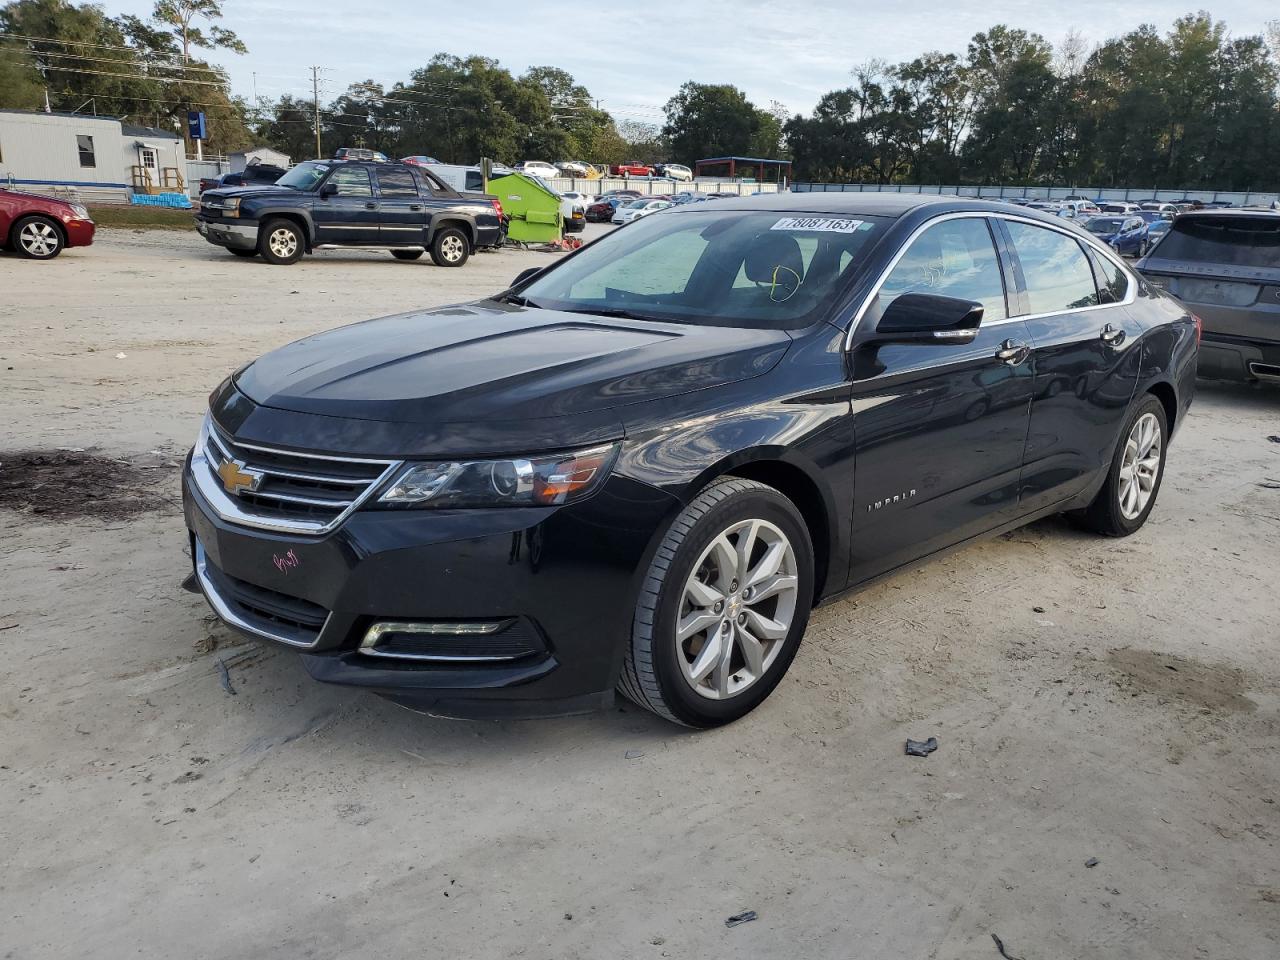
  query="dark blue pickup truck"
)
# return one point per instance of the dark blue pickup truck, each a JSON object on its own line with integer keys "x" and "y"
{"x": 344, "y": 203}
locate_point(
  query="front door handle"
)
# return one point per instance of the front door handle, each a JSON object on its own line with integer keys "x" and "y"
{"x": 370, "y": 205}
{"x": 1111, "y": 334}
{"x": 415, "y": 206}
{"x": 1013, "y": 352}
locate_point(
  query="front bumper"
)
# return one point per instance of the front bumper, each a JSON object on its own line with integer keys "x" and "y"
{"x": 569, "y": 573}
{"x": 242, "y": 236}
{"x": 79, "y": 232}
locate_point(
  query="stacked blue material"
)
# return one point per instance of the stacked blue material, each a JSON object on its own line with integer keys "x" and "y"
{"x": 178, "y": 200}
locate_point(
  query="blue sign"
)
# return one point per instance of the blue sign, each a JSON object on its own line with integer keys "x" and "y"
{"x": 196, "y": 125}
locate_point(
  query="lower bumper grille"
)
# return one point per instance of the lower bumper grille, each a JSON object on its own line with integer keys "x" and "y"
{"x": 257, "y": 610}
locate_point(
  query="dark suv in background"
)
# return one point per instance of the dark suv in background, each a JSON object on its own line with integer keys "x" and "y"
{"x": 343, "y": 203}
{"x": 1225, "y": 266}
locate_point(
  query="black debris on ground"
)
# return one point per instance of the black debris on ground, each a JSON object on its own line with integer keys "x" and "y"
{"x": 225, "y": 678}
{"x": 72, "y": 484}
{"x": 1092, "y": 862}
{"x": 1000, "y": 947}
{"x": 737, "y": 918}
{"x": 921, "y": 748}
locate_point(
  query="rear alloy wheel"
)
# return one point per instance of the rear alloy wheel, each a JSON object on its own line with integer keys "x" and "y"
{"x": 449, "y": 248}
{"x": 37, "y": 238}
{"x": 407, "y": 254}
{"x": 281, "y": 242}
{"x": 722, "y": 607}
{"x": 1129, "y": 494}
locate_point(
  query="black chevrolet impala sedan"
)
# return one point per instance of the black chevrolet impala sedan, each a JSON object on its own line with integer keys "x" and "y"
{"x": 641, "y": 467}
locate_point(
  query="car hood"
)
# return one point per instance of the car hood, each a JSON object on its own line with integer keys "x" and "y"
{"x": 500, "y": 363}
{"x": 257, "y": 190}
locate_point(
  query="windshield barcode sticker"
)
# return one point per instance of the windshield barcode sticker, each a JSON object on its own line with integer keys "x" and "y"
{"x": 819, "y": 224}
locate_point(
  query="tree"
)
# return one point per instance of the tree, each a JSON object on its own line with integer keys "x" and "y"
{"x": 20, "y": 82}
{"x": 179, "y": 16}
{"x": 710, "y": 120}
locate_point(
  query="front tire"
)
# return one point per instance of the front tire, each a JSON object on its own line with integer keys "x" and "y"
{"x": 37, "y": 238}
{"x": 449, "y": 248}
{"x": 1133, "y": 480}
{"x": 722, "y": 607}
{"x": 281, "y": 242}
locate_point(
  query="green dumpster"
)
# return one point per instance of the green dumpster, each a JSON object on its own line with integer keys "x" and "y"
{"x": 533, "y": 209}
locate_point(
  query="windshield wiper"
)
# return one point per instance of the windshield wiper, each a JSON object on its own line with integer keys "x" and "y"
{"x": 518, "y": 300}
{"x": 616, "y": 312}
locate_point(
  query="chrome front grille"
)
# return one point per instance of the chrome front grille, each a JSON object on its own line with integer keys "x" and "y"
{"x": 277, "y": 489}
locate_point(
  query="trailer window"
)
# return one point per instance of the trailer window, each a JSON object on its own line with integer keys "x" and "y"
{"x": 84, "y": 144}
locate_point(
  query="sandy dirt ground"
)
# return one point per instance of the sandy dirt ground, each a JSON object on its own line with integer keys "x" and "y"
{"x": 1092, "y": 699}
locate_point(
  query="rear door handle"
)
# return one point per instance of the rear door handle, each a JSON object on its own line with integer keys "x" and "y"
{"x": 370, "y": 205}
{"x": 1111, "y": 334}
{"x": 1013, "y": 352}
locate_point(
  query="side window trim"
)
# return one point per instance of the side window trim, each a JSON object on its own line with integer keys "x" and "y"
{"x": 869, "y": 297}
{"x": 1015, "y": 284}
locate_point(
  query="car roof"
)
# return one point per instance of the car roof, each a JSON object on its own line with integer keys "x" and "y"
{"x": 1210, "y": 213}
{"x": 873, "y": 204}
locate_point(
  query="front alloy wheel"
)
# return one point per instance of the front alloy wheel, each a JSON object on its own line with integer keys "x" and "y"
{"x": 737, "y": 609}
{"x": 37, "y": 239}
{"x": 722, "y": 607}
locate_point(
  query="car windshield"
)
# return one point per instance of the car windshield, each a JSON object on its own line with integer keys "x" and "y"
{"x": 304, "y": 176}
{"x": 1241, "y": 241}
{"x": 1103, "y": 225}
{"x": 754, "y": 269}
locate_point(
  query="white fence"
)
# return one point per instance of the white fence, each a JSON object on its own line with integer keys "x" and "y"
{"x": 1237, "y": 198}
{"x": 744, "y": 188}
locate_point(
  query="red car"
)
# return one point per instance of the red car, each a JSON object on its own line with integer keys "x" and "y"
{"x": 39, "y": 227}
{"x": 632, "y": 168}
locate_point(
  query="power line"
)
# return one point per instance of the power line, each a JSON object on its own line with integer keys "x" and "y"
{"x": 40, "y": 54}
{"x": 130, "y": 76}
{"x": 83, "y": 43}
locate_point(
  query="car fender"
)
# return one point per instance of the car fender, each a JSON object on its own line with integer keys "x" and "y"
{"x": 266, "y": 212}
{"x": 445, "y": 218}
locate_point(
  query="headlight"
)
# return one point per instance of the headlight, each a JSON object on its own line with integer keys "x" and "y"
{"x": 231, "y": 208}
{"x": 79, "y": 211}
{"x": 513, "y": 482}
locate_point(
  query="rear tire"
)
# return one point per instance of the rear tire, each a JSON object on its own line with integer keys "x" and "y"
{"x": 741, "y": 618}
{"x": 449, "y": 248}
{"x": 407, "y": 254}
{"x": 281, "y": 242}
{"x": 243, "y": 253}
{"x": 1133, "y": 480}
{"x": 37, "y": 238}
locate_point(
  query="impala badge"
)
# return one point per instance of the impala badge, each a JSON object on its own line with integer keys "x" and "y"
{"x": 888, "y": 501}
{"x": 236, "y": 477}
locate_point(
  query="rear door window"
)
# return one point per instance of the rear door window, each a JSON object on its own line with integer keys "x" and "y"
{"x": 397, "y": 185}
{"x": 1054, "y": 267}
{"x": 1238, "y": 241}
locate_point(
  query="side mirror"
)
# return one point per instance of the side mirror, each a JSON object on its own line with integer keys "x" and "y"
{"x": 524, "y": 275}
{"x": 329, "y": 190}
{"x": 928, "y": 318}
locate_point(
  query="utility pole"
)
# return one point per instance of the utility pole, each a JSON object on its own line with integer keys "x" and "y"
{"x": 315, "y": 102}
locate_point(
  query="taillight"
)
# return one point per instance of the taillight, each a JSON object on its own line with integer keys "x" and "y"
{"x": 497, "y": 207}
{"x": 1199, "y": 327}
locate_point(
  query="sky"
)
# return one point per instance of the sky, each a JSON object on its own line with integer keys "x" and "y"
{"x": 634, "y": 59}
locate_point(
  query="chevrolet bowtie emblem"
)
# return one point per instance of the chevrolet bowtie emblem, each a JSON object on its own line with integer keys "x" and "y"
{"x": 236, "y": 476}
